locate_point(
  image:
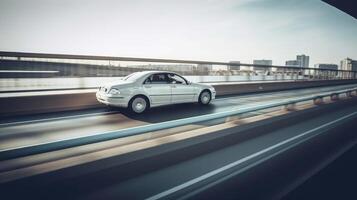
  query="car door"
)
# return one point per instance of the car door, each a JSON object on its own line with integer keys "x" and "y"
{"x": 181, "y": 91}
{"x": 158, "y": 88}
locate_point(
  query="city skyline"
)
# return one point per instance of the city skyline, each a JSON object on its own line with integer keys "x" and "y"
{"x": 201, "y": 30}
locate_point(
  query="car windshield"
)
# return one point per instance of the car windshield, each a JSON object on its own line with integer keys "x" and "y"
{"x": 133, "y": 77}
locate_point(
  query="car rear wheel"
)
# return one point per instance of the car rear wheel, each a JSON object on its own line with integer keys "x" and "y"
{"x": 205, "y": 98}
{"x": 138, "y": 105}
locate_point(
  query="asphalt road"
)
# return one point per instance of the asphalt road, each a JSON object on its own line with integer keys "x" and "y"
{"x": 337, "y": 181}
{"x": 28, "y": 130}
{"x": 178, "y": 176}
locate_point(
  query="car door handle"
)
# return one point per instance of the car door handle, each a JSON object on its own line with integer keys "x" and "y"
{"x": 147, "y": 86}
{"x": 173, "y": 86}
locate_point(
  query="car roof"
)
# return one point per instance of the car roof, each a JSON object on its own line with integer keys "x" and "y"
{"x": 154, "y": 72}
{"x": 144, "y": 74}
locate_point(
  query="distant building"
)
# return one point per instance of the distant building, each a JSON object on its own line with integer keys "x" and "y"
{"x": 303, "y": 60}
{"x": 348, "y": 64}
{"x": 234, "y": 67}
{"x": 326, "y": 66}
{"x": 262, "y": 62}
{"x": 292, "y": 63}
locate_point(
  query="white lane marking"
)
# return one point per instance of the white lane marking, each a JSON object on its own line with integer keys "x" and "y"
{"x": 55, "y": 118}
{"x": 233, "y": 164}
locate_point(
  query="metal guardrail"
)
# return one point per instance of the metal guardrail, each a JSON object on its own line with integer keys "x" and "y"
{"x": 112, "y": 70}
{"x": 84, "y": 140}
{"x": 132, "y": 59}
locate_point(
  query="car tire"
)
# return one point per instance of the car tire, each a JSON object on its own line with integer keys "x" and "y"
{"x": 138, "y": 104}
{"x": 205, "y": 97}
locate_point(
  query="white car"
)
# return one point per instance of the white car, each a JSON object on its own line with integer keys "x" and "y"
{"x": 142, "y": 90}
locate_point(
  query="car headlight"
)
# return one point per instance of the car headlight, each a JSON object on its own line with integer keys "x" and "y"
{"x": 114, "y": 91}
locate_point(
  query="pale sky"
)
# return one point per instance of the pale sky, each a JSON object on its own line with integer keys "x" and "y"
{"x": 213, "y": 30}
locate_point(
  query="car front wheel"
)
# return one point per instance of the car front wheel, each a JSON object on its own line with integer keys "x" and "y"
{"x": 138, "y": 105}
{"x": 205, "y": 98}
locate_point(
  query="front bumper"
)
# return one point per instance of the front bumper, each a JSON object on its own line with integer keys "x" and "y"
{"x": 118, "y": 101}
{"x": 213, "y": 93}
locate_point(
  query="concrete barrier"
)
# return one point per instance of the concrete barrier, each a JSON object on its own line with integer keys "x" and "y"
{"x": 32, "y": 104}
{"x": 44, "y": 102}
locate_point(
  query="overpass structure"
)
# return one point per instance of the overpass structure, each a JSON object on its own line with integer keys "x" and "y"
{"x": 260, "y": 139}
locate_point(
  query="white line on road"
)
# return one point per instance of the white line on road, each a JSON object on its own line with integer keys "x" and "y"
{"x": 240, "y": 161}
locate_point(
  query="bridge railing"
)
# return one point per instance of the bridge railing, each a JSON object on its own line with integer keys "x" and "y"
{"x": 14, "y": 66}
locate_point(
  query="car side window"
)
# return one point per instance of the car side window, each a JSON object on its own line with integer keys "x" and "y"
{"x": 176, "y": 79}
{"x": 148, "y": 80}
{"x": 157, "y": 79}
